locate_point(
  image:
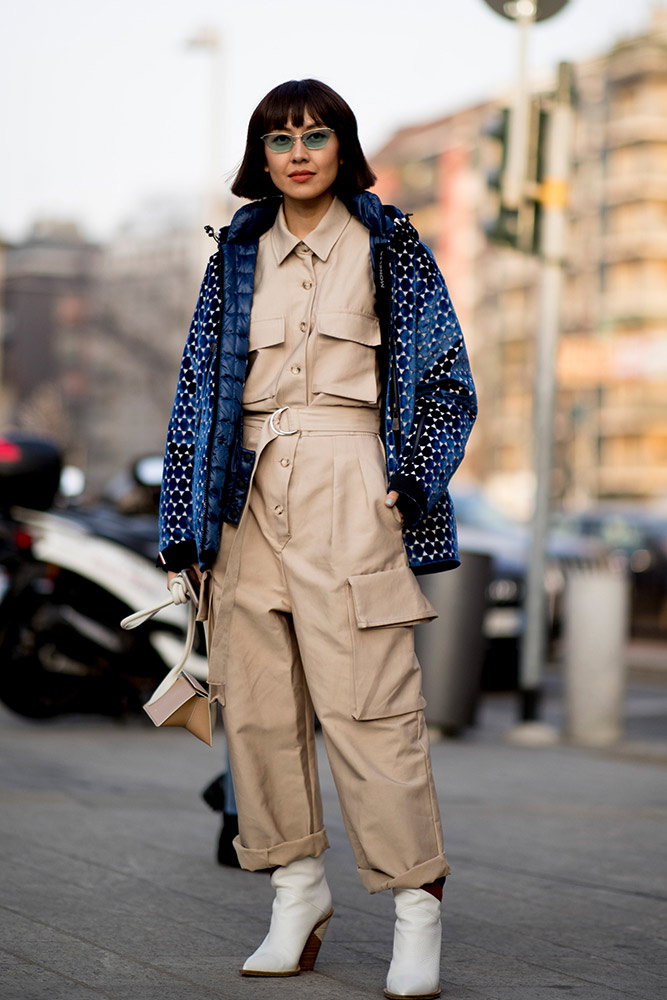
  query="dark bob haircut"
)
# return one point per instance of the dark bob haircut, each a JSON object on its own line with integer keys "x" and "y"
{"x": 292, "y": 100}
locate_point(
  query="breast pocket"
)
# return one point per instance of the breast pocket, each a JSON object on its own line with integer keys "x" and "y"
{"x": 264, "y": 358}
{"x": 345, "y": 359}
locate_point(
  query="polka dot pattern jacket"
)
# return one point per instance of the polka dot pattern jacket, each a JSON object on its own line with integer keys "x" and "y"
{"x": 428, "y": 400}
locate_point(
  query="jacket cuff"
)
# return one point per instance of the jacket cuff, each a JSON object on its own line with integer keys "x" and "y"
{"x": 411, "y": 498}
{"x": 178, "y": 556}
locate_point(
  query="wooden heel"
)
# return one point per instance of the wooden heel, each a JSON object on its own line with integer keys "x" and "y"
{"x": 312, "y": 946}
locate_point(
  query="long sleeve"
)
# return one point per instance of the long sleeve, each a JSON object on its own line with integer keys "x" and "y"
{"x": 445, "y": 404}
{"x": 177, "y": 544}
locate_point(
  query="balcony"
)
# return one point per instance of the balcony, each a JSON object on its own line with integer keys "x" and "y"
{"x": 631, "y": 129}
{"x": 633, "y": 306}
{"x": 650, "y": 244}
{"x": 636, "y": 61}
{"x": 632, "y": 186}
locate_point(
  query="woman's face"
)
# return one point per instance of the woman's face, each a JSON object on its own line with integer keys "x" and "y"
{"x": 302, "y": 174}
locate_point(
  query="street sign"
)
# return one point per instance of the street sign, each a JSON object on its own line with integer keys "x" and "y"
{"x": 512, "y": 9}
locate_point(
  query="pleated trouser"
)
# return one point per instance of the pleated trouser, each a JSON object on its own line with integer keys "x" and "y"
{"x": 311, "y": 609}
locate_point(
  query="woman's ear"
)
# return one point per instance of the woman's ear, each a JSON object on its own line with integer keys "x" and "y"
{"x": 266, "y": 168}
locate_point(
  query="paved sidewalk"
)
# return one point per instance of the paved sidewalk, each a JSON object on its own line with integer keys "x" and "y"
{"x": 109, "y": 887}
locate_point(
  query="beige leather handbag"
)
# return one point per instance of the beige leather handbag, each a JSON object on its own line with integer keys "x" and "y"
{"x": 179, "y": 700}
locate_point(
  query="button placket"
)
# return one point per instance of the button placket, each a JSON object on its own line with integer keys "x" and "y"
{"x": 278, "y": 504}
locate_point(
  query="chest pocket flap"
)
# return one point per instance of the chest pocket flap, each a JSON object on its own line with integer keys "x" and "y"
{"x": 266, "y": 333}
{"x": 345, "y": 357}
{"x": 264, "y": 364}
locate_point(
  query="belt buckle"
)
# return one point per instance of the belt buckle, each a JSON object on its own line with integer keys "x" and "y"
{"x": 277, "y": 430}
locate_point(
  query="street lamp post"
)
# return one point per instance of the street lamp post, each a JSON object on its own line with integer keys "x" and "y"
{"x": 211, "y": 41}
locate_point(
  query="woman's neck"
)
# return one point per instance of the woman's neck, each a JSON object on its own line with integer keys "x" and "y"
{"x": 304, "y": 216}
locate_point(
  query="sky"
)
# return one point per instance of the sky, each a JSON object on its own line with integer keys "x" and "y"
{"x": 105, "y": 107}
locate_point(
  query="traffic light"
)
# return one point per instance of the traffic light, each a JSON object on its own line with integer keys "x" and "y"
{"x": 500, "y": 224}
{"x": 516, "y": 225}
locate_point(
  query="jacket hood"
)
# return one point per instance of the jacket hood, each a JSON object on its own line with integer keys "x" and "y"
{"x": 252, "y": 220}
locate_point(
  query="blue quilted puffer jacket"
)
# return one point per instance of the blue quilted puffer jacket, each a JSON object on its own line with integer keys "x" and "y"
{"x": 428, "y": 398}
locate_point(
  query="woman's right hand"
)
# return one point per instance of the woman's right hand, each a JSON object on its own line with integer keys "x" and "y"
{"x": 176, "y": 585}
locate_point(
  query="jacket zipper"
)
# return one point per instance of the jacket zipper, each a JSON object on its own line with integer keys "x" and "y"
{"x": 394, "y": 408}
{"x": 212, "y": 358}
{"x": 418, "y": 434}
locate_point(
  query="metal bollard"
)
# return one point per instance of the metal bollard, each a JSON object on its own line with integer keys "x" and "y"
{"x": 451, "y": 649}
{"x": 596, "y": 632}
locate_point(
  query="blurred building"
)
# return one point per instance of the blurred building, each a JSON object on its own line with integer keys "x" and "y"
{"x": 45, "y": 322}
{"x": 91, "y": 337}
{"x": 611, "y": 426}
{"x": 145, "y": 293}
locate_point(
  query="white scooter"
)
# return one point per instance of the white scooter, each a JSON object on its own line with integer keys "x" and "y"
{"x": 65, "y": 584}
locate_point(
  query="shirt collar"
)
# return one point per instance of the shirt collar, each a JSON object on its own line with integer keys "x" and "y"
{"x": 322, "y": 239}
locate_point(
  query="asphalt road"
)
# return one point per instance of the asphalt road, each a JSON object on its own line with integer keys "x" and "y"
{"x": 110, "y": 888}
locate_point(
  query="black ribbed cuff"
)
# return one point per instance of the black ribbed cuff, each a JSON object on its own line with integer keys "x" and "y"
{"x": 178, "y": 556}
{"x": 411, "y": 498}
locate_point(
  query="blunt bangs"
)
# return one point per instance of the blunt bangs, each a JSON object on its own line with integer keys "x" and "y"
{"x": 291, "y": 101}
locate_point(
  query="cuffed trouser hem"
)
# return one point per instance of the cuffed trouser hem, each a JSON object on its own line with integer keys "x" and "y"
{"x": 281, "y": 854}
{"x": 416, "y": 877}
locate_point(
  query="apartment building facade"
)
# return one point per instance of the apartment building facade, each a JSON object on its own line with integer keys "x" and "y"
{"x": 611, "y": 419}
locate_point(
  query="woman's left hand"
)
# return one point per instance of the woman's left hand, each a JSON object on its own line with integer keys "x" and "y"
{"x": 390, "y": 500}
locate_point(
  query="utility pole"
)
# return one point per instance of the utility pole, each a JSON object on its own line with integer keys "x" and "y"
{"x": 550, "y": 198}
{"x": 553, "y": 197}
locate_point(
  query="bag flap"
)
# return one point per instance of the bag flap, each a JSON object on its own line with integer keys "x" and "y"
{"x": 392, "y": 597}
{"x": 359, "y": 327}
{"x": 184, "y": 703}
{"x": 266, "y": 333}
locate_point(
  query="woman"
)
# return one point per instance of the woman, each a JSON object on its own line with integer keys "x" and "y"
{"x": 324, "y": 402}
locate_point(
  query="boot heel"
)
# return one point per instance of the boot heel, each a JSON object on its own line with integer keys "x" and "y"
{"x": 312, "y": 945}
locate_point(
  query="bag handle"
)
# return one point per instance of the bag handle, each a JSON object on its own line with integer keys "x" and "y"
{"x": 166, "y": 683}
{"x": 139, "y": 617}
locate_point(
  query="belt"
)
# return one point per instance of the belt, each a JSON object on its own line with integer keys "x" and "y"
{"x": 322, "y": 419}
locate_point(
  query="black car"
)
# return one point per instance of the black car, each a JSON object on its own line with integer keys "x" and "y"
{"x": 638, "y": 536}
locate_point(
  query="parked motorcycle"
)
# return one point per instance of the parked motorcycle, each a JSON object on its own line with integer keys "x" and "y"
{"x": 67, "y": 578}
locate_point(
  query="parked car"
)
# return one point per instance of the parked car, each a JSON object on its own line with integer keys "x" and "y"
{"x": 637, "y": 535}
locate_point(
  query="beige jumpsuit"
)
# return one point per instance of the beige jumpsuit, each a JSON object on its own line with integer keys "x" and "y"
{"x": 312, "y": 601}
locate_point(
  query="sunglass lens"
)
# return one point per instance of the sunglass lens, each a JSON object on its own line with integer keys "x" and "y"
{"x": 280, "y": 142}
{"x": 317, "y": 138}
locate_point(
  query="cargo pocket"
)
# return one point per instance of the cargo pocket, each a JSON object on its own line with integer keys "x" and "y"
{"x": 345, "y": 359}
{"x": 383, "y": 607}
{"x": 264, "y": 364}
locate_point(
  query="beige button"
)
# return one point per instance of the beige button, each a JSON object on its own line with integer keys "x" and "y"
{"x": 279, "y": 509}
{"x": 295, "y": 369}
{"x": 284, "y": 462}
{"x": 307, "y": 284}
{"x": 303, "y": 327}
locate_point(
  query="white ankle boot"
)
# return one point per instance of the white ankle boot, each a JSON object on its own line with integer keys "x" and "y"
{"x": 415, "y": 965}
{"x": 299, "y": 918}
